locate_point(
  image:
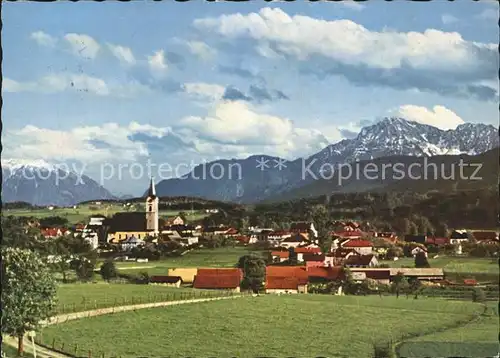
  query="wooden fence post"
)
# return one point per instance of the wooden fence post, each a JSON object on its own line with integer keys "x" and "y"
{"x": 53, "y": 343}
{"x": 76, "y": 349}
{"x": 62, "y": 347}
{"x": 90, "y": 353}
{"x": 74, "y": 307}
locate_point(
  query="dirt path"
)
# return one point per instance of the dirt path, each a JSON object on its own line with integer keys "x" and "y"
{"x": 43, "y": 352}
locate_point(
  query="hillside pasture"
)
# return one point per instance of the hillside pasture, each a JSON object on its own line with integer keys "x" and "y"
{"x": 87, "y": 296}
{"x": 266, "y": 325}
{"x": 452, "y": 264}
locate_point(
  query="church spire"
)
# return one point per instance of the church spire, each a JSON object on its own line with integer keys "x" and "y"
{"x": 152, "y": 188}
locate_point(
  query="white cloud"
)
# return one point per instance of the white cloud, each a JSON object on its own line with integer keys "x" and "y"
{"x": 43, "y": 39}
{"x": 201, "y": 49}
{"x": 345, "y": 41}
{"x": 237, "y": 125}
{"x": 448, "y": 19}
{"x": 158, "y": 64}
{"x": 202, "y": 90}
{"x": 82, "y": 45}
{"x": 353, "y": 5}
{"x": 78, "y": 83}
{"x": 432, "y": 60}
{"x": 439, "y": 116}
{"x": 124, "y": 54}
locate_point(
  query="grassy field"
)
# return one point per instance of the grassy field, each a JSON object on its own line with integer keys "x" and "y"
{"x": 220, "y": 257}
{"x": 476, "y": 339}
{"x": 82, "y": 212}
{"x": 301, "y": 325}
{"x": 11, "y": 352}
{"x": 452, "y": 264}
{"x": 87, "y": 296}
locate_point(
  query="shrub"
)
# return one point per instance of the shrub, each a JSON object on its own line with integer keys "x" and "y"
{"x": 478, "y": 295}
{"x": 382, "y": 350}
{"x": 108, "y": 270}
{"x": 142, "y": 278}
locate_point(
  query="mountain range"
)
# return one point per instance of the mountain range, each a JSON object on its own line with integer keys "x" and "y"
{"x": 262, "y": 177}
{"x": 40, "y": 183}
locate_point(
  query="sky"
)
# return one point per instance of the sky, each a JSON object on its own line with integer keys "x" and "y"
{"x": 106, "y": 86}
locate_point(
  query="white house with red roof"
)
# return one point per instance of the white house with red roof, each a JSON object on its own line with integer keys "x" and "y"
{"x": 362, "y": 247}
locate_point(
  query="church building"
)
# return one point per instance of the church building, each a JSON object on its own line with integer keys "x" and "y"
{"x": 138, "y": 225}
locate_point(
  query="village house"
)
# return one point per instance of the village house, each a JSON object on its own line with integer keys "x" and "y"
{"x": 437, "y": 241}
{"x": 423, "y": 274}
{"x": 304, "y": 228}
{"x": 314, "y": 260}
{"x": 216, "y": 230}
{"x": 325, "y": 274}
{"x": 174, "y": 220}
{"x": 186, "y": 274}
{"x": 418, "y": 250}
{"x": 295, "y": 241}
{"x": 218, "y": 279}
{"x": 340, "y": 226}
{"x": 362, "y": 247}
{"x": 486, "y": 237}
{"x": 390, "y": 237}
{"x": 131, "y": 243}
{"x": 51, "y": 233}
{"x": 418, "y": 239}
{"x": 382, "y": 276}
{"x": 169, "y": 281}
{"x": 459, "y": 236}
{"x": 259, "y": 234}
{"x": 338, "y": 256}
{"x": 139, "y": 225}
{"x": 361, "y": 261}
{"x": 286, "y": 279}
{"x": 275, "y": 237}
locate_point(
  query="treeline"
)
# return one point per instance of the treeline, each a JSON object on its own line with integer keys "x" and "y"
{"x": 403, "y": 212}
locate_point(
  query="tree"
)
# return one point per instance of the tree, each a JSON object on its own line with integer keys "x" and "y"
{"x": 108, "y": 271}
{"x": 399, "y": 283}
{"x": 53, "y": 221}
{"x": 478, "y": 295}
{"x": 254, "y": 271}
{"x": 28, "y": 292}
{"x": 84, "y": 269}
{"x": 421, "y": 260}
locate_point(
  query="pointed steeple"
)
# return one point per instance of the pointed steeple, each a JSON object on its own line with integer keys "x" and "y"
{"x": 152, "y": 189}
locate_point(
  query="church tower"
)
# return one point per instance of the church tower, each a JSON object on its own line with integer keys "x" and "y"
{"x": 152, "y": 209}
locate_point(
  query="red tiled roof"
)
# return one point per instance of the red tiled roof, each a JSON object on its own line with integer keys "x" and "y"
{"x": 313, "y": 257}
{"x": 485, "y": 235}
{"x": 358, "y": 243}
{"x": 377, "y": 274}
{"x": 329, "y": 273}
{"x": 307, "y": 250}
{"x": 281, "y": 254}
{"x": 286, "y": 271}
{"x": 219, "y": 271}
{"x": 437, "y": 240}
{"x": 242, "y": 238}
{"x": 217, "y": 281}
{"x": 284, "y": 283}
{"x": 232, "y": 231}
{"x": 470, "y": 282}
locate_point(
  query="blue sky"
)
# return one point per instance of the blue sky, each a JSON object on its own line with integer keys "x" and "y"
{"x": 119, "y": 83}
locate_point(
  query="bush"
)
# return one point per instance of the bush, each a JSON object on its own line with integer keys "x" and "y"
{"x": 142, "y": 278}
{"x": 478, "y": 295}
{"x": 382, "y": 350}
{"x": 108, "y": 271}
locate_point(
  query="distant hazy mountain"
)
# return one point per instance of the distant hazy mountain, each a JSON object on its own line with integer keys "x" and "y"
{"x": 387, "y": 138}
{"x": 40, "y": 183}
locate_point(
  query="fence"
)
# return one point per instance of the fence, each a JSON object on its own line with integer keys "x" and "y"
{"x": 74, "y": 350}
